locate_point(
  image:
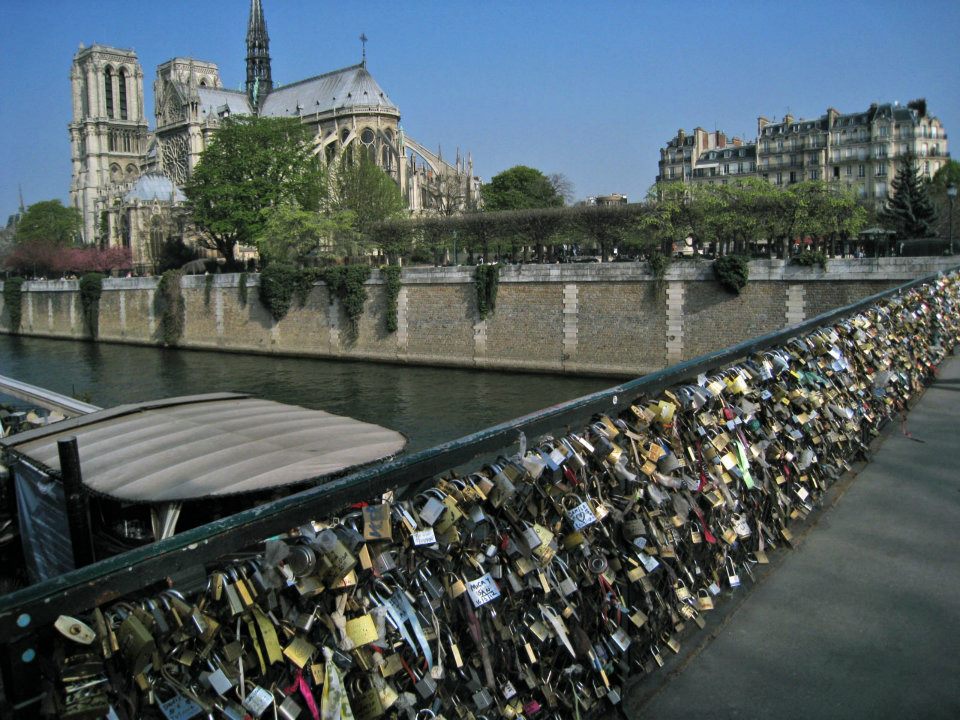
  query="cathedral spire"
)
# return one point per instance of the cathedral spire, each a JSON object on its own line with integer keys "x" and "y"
{"x": 259, "y": 81}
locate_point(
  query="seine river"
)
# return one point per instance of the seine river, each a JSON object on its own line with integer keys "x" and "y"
{"x": 428, "y": 405}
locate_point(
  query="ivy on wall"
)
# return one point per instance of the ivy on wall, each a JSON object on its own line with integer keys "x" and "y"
{"x": 303, "y": 284}
{"x": 13, "y": 301}
{"x": 658, "y": 264}
{"x": 281, "y": 283}
{"x": 346, "y": 283}
{"x": 278, "y": 282}
{"x": 486, "y": 280}
{"x": 91, "y": 288}
{"x": 242, "y": 289}
{"x": 732, "y": 272}
{"x": 391, "y": 277}
{"x": 169, "y": 307}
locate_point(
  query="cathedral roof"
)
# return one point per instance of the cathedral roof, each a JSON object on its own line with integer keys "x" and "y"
{"x": 213, "y": 101}
{"x": 351, "y": 87}
{"x": 154, "y": 186}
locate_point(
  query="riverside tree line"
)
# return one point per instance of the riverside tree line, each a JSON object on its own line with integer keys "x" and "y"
{"x": 260, "y": 184}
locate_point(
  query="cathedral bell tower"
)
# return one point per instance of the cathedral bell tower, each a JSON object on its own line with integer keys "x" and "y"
{"x": 108, "y": 135}
{"x": 259, "y": 81}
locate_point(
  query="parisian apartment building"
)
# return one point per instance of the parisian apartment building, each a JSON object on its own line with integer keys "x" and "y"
{"x": 860, "y": 150}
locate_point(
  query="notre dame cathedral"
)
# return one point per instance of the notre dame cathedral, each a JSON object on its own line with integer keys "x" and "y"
{"x": 126, "y": 178}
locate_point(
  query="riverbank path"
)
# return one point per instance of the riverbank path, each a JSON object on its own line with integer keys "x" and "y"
{"x": 862, "y": 618}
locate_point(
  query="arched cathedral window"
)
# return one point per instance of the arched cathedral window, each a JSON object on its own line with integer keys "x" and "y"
{"x": 123, "y": 93}
{"x": 156, "y": 235}
{"x": 108, "y": 90}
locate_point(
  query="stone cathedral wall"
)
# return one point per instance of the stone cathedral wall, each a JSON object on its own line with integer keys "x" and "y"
{"x": 609, "y": 319}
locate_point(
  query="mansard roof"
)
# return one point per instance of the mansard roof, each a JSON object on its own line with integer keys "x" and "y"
{"x": 350, "y": 87}
{"x": 154, "y": 186}
{"x": 213, "y": 101}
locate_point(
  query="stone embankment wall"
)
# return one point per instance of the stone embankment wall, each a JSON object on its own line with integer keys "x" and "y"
{"x": 604, "y": 319}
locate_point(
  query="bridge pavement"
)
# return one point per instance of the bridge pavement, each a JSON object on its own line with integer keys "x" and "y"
{"x": 862, "y": 619}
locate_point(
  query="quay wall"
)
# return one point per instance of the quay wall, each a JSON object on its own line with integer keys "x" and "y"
{"x": 609, "y": 319}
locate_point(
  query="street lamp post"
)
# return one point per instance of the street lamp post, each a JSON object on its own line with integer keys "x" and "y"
{"x": 951, "y": 196}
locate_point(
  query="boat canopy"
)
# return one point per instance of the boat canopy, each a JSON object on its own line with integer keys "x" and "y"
{"x": 187, "y": 448}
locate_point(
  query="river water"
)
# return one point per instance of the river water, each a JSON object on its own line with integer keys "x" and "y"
{"x": 428, "y": 405}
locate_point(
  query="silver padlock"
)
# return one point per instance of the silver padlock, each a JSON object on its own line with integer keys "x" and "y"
{"x": 482, "y": 699}
{"x": 431, "y": 510}
{"x": 567, "y": 584}
{"x": 426, "y": 687}
{"x": 289, "y": 709}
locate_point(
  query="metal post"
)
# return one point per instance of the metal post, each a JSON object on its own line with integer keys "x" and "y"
{"x": 951, "y": 196}
{"x": 78, "y": 510}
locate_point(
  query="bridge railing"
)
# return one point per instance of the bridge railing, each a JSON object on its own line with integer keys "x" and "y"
{"x": 41, "y": 397}
{"x": 183, "y": 557}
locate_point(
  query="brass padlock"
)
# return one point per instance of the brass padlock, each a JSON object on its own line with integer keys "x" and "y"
{"x": 136, "y": 643}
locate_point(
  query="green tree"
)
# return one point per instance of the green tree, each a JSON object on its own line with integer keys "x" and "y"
{"x": 668, "y": 219}
{"x": 291, "y": 235}
{"x": 605, "y": 225}
{"x": 520, "y": 188}
{"x": 539, "y": 228}
{"x": 49, "y": 221}
{"x": 251, "y": 164}
{"x": 909, "y": 210}
{"x": 361, "y": 187}
{"x": 394, "y": 238}
{"x": 947, "y": 175}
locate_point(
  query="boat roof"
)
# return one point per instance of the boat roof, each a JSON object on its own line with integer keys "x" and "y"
{"x": 190, "y": 447}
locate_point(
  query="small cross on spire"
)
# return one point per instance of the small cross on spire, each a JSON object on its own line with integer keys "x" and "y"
{"x": 363, "y": 42}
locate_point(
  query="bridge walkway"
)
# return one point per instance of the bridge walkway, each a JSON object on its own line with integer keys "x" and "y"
{"x": 862, "y": 619}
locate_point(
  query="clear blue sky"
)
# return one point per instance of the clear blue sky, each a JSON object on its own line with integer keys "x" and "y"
{"x": 590, "y": 89}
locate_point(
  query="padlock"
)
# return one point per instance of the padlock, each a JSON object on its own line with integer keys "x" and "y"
{"x": 257, "y": 701}
{"x": 136, "y": 643}
{"x": 425, "y": 686}
{"x": 289, "y": 709}
{"x": 732, "y": 577}
{"x": 567, "y": 585}
{"x": 340, "y": 560}
{"x": 432, "y": 508}
{"x": 704, "y": 601}
{"x": 429, "y": 583}
{"x": 455, "y": 585}
{"x": 365, "y": 700}
{"x": 482, "y": 699}
{"x": 620, "y": 638}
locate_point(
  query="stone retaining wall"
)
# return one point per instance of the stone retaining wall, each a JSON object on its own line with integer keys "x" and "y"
{"x": 602, "y": 319}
